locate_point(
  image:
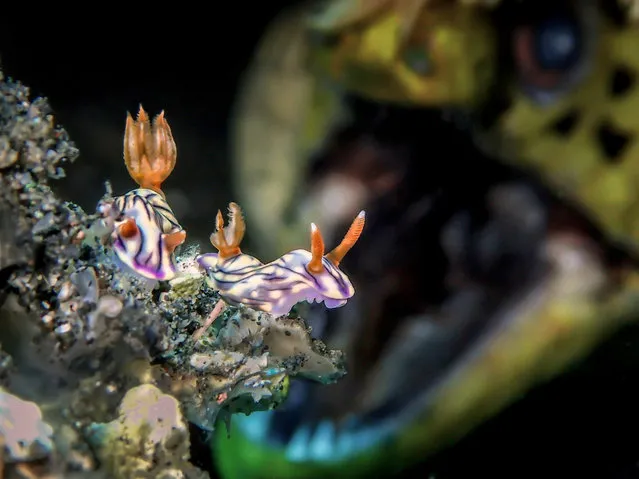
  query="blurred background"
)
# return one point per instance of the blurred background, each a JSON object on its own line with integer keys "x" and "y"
{"x": 493, "y": 145}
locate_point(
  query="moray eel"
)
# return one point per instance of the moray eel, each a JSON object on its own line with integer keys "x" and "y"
{"x": 547, "y": 91}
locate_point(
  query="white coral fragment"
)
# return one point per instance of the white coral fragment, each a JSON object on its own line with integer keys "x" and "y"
{"x": 25, "y": 435}
{"x": 148, "y": 439}
{"x": 145, "y": 406}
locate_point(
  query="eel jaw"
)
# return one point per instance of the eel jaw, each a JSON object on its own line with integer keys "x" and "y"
{"x": 524, "y": 342}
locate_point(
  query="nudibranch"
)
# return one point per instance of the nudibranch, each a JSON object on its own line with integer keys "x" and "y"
{"x": 276, "y": 287}
{"x": 147, "y": 232}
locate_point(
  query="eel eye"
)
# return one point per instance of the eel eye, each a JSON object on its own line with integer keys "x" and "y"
{"x": 551, "y": 54}
{"x": 418, "y": 60}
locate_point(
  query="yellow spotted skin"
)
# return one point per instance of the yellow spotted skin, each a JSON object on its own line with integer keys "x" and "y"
{"x": 575, "y": 163}
{"x": 404, "y": 56}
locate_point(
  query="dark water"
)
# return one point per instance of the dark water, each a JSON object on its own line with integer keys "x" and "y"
{"x": 95, "y": 67}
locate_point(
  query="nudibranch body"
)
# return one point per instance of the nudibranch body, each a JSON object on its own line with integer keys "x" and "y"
{"x": 277, "y": 286}
{"x": 147, "y": 232}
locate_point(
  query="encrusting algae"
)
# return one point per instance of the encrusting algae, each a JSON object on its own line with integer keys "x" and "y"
{"x": 106, "y": 357}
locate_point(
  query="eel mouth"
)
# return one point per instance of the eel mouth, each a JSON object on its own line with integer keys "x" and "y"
{"x": 445, "y": 269}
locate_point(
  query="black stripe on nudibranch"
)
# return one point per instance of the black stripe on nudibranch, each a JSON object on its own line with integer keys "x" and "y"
{"x": 159, "y": 250}
{"x": 337, "y": 275}
{"x": 281, "y": 262}
{"x": 119, "y": 243}
{"x": 227, "y": 266}
{"x": 266, "y": 270}
{"x": 141, "y": 245}
{"x": 155, "y": 207}
{"x": 242, "y": 278}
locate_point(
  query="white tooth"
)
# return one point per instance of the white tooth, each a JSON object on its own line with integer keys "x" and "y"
{"x": 344, "y": 445}
{"x": 351, "y": 442}
{"x": 322, "y": 444}
{"x": 364, "y": 439}
{"x": 256, "y": 426}
{"x": 297, "y": 449}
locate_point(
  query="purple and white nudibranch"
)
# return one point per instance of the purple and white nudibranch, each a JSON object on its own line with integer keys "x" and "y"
{"x": 277, "y": 286}
{"x": 146, "y": 231}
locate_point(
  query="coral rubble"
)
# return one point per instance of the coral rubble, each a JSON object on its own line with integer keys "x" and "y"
{"x": 103, "y": 360}
{"x": 149, "y": 438}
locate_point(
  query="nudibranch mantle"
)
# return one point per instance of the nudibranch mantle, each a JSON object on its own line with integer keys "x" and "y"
{"x": 147, "y": 231}
{"x": 276, "y": 287}
{"x": 145, "y": 251}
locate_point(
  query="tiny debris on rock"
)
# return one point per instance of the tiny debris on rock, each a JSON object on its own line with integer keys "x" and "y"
{"x": 83, "y": 341}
